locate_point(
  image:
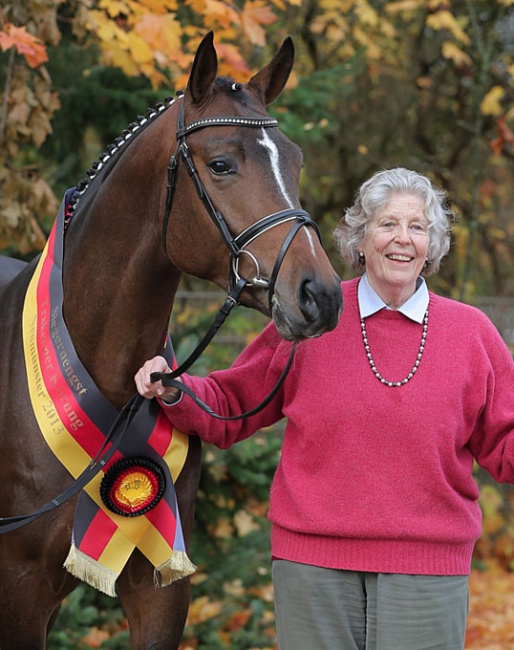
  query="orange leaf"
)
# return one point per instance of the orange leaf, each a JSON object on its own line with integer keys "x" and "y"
{"x": 239, "y": 620}
{"x": 220, "y": 13}
{"x": 259, "y": 11}
{"x": 253, "y": 16}
{"x": 497, "y": 146}
{"x": 231, "y": 62}
{"x": 161, "y": 33}
{"x": 505, "y": 136}
{"x": 95, "y": 638}
{"x": 29, "y": 46}
{"x": 202, "y": 609}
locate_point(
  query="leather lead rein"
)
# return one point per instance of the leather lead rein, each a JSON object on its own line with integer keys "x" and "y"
{"x": 236, "y": 246}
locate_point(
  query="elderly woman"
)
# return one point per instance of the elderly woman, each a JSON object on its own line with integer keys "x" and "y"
{"x": 374, "y": 508}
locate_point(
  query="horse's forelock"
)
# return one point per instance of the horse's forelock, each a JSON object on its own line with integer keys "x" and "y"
{"x": 224, "y": 83}
{"x": 236, "y": 89}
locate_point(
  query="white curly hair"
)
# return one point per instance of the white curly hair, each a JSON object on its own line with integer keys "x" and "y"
{"x": 375, "y": 194}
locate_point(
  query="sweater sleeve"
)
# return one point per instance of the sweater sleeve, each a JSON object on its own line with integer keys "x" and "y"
{"x": 236, "y": 390}
{"x": 492, "y": 441}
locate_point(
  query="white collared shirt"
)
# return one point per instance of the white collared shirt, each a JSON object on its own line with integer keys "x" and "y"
{"x": 414, "y": 308}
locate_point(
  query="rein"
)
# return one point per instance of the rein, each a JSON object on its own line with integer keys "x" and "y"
{"x": 237, "y": 247}
{"x": 104, "y": 454}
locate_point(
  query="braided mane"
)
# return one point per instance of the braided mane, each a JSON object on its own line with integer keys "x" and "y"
{"x": 113, "y": 150}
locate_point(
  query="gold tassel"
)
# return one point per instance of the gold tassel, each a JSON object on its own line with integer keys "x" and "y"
{"x": 176, "y": 567}
{"x": 88, "y": 570}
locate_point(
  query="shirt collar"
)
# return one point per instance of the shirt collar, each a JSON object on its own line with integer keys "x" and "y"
{"x": 414, "y": 308}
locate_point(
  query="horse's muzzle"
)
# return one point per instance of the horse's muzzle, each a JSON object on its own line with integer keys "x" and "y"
{"x": 317, "y": 310}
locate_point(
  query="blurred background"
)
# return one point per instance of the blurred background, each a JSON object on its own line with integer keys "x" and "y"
{"x": 424, "y": 84}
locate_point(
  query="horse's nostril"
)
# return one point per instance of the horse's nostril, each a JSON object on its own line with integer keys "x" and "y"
{"x": 308, "y": 301}
{"x": 320, "y": 303}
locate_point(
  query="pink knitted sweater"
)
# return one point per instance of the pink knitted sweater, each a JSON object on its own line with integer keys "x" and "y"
{"x": 374, "y": 478}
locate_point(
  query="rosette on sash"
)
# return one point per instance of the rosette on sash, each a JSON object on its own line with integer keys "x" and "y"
{"x": 131, "y": 502}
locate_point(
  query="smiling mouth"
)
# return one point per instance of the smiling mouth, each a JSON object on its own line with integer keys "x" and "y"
{"x": 400, "y": 258}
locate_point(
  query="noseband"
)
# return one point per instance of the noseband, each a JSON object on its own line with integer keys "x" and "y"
{"x": 236, "y": 244}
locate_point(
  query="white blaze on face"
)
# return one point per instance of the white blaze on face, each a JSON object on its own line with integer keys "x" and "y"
{"x": 268, "y": 144}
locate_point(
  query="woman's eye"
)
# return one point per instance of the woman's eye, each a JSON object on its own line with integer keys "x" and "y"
{"x": 220, "y": 167}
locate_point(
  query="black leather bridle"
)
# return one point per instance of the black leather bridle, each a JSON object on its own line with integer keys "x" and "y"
{"x": 236, "y": 245}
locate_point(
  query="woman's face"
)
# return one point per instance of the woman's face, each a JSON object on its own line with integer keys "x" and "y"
{"x": 395, "y": 248}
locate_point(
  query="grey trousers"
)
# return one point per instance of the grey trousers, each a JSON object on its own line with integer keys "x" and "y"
{"x": 327, "y": 609}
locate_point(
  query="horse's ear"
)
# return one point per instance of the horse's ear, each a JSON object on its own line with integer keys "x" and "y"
{"x": 270, "y": 81}
{"x": 204, "y": 70}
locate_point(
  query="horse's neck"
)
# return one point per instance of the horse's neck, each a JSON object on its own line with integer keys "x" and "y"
{"x": 118, "y": 287}
{"x": 116, "y": 328}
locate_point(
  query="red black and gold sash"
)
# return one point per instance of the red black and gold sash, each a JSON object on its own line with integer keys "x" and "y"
{"x": 131, "y": 502}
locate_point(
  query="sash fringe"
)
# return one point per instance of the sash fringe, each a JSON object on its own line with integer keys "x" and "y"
{"x": 93, "y": 573}
{"x": 178, "y": 566}
{"x": 100, "y": 577}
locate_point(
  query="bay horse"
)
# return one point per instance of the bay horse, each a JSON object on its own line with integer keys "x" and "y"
{"x": 144, "y": 216}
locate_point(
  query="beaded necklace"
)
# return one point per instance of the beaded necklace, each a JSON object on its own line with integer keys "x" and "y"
{"x": 395, "y": 384}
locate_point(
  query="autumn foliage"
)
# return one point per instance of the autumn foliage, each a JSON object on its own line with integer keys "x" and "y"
{"x": 426, "y": 84}
{"x": 422, "y": 83}
{"x": 155, "y": 39}
{"x": 25, "y": 44}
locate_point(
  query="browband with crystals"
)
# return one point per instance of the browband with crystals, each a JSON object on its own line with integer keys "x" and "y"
{"x": 263, "y": 122}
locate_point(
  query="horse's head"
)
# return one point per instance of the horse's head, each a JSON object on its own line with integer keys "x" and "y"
{"x": 246, "y": 174}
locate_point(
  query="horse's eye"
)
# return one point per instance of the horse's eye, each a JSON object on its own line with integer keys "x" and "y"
{"x": 220, "y": 167}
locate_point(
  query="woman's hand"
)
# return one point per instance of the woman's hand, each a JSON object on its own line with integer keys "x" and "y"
{"x": 149, "y": 389}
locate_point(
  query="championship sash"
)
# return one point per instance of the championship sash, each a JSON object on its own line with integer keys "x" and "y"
{"x": 131, "y": 502}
